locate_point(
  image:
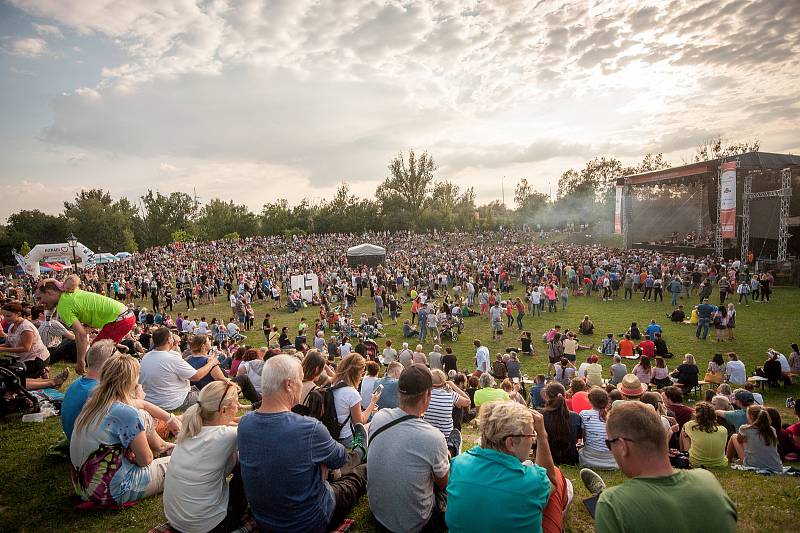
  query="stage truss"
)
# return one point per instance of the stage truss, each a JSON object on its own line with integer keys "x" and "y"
{"x": 784, "y": 195}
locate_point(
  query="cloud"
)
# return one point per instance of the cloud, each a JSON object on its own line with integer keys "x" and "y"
{"x": 304, "y": 94}
{"x": 47, "y": 30}
{"x": 28, "y": 47}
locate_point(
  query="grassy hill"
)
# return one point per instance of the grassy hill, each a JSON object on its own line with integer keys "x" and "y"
{"x": 36, "y": 493}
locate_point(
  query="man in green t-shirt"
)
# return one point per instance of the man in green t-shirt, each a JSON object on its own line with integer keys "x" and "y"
{"x": 656, "y": 498}
{"x": 487, "y": 392}
{"x": 77, "y": 308}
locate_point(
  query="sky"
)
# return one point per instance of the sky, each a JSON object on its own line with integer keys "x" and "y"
{"x": 256, "y": 100}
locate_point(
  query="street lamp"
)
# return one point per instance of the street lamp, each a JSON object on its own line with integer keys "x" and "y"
{"x": 72, "y": 240}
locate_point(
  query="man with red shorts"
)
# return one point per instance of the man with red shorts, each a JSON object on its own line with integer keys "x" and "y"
{"x": 77, "y": 308}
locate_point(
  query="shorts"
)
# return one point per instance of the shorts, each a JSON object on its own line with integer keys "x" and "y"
{"x": 117, "y": 330}
{"x": 34, "y": 368}
{"x": 497, "y": 326}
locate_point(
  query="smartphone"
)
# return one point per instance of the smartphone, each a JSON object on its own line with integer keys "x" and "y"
{"x": 515, "y": 380}
{"x": 378, "y": 389}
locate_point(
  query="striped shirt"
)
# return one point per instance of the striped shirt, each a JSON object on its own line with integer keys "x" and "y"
{"x": 440, "y": 410}
{"x": 594, "y": 430}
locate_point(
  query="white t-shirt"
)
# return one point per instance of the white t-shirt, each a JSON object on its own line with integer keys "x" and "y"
{"x": 367, "y": 386}
{"x": 344, "y": 399}
{"x": 165, "y": 379}
{"x": 253, "y": 369}
{"x": 482, "y": 356}
{"x": 195, "y": 489}
{"x": 736, "y": 372}
{"x": 202, "y": 328}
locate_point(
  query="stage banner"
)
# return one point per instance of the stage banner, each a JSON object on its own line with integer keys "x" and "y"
{"x": 727, "y": 191}
{"x": 307, "y": 285}
{"x": 618, "y": 211}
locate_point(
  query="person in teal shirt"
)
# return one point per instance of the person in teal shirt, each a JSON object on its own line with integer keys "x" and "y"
{"x": 495, "y": 486}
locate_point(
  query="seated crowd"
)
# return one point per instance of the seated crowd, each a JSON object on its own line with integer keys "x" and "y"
{"x": 326, "y": 425}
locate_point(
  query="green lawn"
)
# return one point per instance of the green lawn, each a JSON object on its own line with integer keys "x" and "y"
{"x": 36, "y": 493}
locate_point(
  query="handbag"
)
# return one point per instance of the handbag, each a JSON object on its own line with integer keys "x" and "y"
{"x": 713, "y": 377}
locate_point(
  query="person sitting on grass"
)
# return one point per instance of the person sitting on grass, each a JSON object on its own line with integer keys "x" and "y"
{"x": 595, "y": 453}
{"x": 408, "y": 460}
{"x": 586, "y": 327}
{"x": 445, "y": 396}
{"x": 704, "y": 438}
{"x": 200, "y": 345}
{"x": 626, "y": 346}
{"x": 507, "y": 432}
{"x": 285, "y": 459}
{"x": 655, "y": 497}
{"x": 197, "y": 497}
{"x": 609, "y": 345}
{"x": 79, "y": 390}
{"x": 678, "y": 315}
{"x": 564, "y": 427}
{"x": 487, "y": 392}
{"x": 686, "y": 374}
{"x": 111, "y": 447}
{"x": 756, "y": 444}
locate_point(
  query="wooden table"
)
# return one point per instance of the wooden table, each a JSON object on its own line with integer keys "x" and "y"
{"x": 758, "y": 381}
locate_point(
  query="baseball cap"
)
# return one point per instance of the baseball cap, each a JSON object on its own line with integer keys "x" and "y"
{"x": 744, "y": 397}
{"x": 415, "y": 379}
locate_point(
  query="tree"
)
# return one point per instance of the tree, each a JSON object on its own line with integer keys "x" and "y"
{"x": 405, "y": 190}
{"x": 182, "y": 236}
{"x": 719, "y": 148}
{"x": 100, "y": 223}
{"x": 218, "y": 218}
{"x": 650, "y": 163}
{"x": 275, "y": 217}
{"x": 232, "y": 236}
{"x": 164, "y": 215}
{"x": 24, "y": 248}
{"x": 34, "y": 226}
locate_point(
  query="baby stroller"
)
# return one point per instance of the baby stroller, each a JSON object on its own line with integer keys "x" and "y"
{"x": 14, "y": 397}
{"x": 449, "y": 330}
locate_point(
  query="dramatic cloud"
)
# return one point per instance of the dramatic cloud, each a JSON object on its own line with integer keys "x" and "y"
{"x": 291, "y": 97}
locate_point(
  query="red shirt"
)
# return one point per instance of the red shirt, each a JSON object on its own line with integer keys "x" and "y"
{"x": 648, "y": 348}
{"x": 579, "y": 402}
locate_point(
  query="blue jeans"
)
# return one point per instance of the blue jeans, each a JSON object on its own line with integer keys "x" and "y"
{"x": 563, "y": 303}
{"x": 519, "y": 320}
{"x": 675, "y": 298}
{"x": 702, "y": 323}
{"x": 423, "y": 330}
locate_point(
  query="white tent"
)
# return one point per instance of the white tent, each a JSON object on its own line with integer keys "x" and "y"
{"x": 366, "y": 249}
{"x": 366, "y": 254}
{"x": 101, "y": 259}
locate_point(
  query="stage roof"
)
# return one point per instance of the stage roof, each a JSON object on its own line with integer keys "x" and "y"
{"x": 748, "y": 161}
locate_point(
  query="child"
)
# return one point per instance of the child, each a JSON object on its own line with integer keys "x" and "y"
{"x": 756, "y": 444}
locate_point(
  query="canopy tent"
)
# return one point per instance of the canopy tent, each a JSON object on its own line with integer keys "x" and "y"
{"x": 366, "y": 254}
{"x": 101, "y": 259}
{"x": 123, "y": 255}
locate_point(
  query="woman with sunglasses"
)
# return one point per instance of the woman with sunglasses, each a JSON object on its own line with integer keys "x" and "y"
{"x": 197, "y": 497}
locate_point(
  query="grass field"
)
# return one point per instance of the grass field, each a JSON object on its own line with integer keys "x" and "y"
{"x": 36, "y": 493}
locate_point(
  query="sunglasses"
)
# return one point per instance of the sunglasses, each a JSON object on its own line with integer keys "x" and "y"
{"x": 609, "y": 442}
{"x": 529, "y": 435}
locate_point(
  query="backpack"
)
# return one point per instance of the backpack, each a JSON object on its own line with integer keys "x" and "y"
{"x": 313, "y": 404}
{"x": 329, "y": 418}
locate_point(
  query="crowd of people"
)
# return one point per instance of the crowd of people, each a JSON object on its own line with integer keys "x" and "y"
{"x": 156, "y": 408}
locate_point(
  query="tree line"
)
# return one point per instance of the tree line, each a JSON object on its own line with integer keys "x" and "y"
{"x": 410, "y": 198}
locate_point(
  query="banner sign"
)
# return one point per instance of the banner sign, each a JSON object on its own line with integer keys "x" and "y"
{"x": 618, "y": 212}
{"x": 307, "y": 285}
{"x": 727, "y": 191}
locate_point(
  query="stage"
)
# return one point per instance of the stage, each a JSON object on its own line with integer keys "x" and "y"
{"x": 697, "y": 251}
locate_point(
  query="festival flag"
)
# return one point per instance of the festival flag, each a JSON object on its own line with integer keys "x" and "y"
{"x": 618, "y": 212}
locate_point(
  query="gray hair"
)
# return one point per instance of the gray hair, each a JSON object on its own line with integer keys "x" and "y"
{"x": 99, "y": 353}
{"x": 486, "y": 380}
{"x": 278, "y": 369}
{"x": 617, "y": 359}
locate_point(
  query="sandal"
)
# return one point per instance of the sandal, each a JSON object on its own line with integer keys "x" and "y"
{"x": 61, "y": 378}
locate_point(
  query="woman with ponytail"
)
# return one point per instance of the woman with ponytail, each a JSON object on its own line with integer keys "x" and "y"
{"x": 112, "y": 442}
{"x": 564, "y": 427}
{"x": 197, "y": 497}
{"x": 756, "y": 444}
{"x": 704, "y": 438}
{"x": 76, "y": 308}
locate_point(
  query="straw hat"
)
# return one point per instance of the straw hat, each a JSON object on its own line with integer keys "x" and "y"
{"x": 631, "y": 386}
